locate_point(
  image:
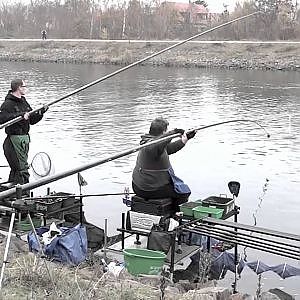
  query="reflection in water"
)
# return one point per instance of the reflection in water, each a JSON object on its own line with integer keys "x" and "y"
{"x": 110, "y": 117}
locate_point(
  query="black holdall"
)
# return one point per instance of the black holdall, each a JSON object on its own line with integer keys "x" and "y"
{"x": 159, "y": 238}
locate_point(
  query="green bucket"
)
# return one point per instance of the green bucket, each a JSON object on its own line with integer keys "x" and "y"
{"x": 143, "y": 261}
{"x": 25, "y": 225}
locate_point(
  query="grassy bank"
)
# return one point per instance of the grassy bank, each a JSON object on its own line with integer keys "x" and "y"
{"x": 264, "y": 56}
{"x": 30, "y": 277}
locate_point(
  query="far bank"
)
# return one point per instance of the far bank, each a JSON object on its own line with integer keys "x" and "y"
{"x": 205, "y": 54}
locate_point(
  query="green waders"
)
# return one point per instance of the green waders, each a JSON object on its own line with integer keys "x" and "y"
{"x": 16, "y": 148}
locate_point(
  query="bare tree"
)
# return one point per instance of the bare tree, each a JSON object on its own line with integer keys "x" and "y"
{"x": 138, "y": 19}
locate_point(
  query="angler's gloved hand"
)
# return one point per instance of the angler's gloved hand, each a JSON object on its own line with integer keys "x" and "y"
{"x": 43, "y": 109}
{"x": 191, "y": 134}
{"x": 178, "y": 130}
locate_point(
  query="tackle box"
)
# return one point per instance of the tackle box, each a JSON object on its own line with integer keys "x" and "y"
{"x": 48, "y": 205}
{"x": 227, "y": 204}
{"x": 158, "y": 207}
{"x": 187, "y": 208}
{"x": 205, "y": 211}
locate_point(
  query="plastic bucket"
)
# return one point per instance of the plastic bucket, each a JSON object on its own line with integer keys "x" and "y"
{"x": 143, "y": 261}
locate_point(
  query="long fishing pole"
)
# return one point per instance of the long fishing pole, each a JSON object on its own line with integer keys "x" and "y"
{"x": 77, "y": 196}
{"x": 231, "y": 121}
{"x": 46, "y": 180}
{"x": 17, "y": 119}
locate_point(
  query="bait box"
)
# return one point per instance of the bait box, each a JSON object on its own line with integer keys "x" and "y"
{"x": 205, "y": 211}
{"x": 227, "y": 204}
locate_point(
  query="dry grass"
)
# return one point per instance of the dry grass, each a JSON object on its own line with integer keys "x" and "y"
{"x": 28, "y": 276}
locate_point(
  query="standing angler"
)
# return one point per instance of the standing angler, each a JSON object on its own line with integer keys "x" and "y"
{"x": 16, "y": 143}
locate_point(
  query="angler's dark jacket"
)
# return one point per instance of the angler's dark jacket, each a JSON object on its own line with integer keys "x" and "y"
{"x": 151, "y": 170}
{"x": 14, "y": 107}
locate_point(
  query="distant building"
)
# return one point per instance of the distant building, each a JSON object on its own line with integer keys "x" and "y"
{"x": 191, "y": 12}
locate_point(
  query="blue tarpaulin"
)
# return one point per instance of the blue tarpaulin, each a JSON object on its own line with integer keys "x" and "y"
{"x": 258, "y": 267}
{"x": 70, "y": 247}
{"x": 285, "y": 271}
{"x": 224, "y": 261}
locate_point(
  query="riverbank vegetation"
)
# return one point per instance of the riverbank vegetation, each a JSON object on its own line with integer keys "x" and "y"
{"x": 29, "y": 276}
{"x": 248, "y": 56}
{"x": 138, "y": 19}
{"x": 154, "y": 26}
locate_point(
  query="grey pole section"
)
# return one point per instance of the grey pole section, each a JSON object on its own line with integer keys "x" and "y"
{"x": 46, "y": 180}
{"x": 130, "y": 66}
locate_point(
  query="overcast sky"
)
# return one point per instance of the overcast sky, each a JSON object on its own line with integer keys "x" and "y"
{"x": 214, "y": 5}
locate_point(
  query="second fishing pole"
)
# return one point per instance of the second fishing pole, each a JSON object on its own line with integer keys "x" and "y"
{"x": 17, "y": 119}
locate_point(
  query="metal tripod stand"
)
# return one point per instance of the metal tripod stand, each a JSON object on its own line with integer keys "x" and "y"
{"x": 15, "y": 204}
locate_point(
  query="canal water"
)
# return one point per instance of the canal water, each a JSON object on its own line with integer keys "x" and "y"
{"x": 109, "y": 118}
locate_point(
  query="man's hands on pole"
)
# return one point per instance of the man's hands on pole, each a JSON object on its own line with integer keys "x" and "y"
{"x": 185, "y": 135}
{"x": 41, "y": 111}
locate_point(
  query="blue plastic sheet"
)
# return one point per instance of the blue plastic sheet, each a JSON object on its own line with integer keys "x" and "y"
{"x": 285, "y": 271}
{"x": 224, "y": 261}
{"x": 69, "y": 248}
{"x": 258, "y": 267}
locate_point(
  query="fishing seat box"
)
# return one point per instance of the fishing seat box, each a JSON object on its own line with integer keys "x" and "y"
{"x": 157, "y": 207}
{"x": 227, "y": 204}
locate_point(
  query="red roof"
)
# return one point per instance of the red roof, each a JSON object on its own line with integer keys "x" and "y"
{"x": 183, "y": 7}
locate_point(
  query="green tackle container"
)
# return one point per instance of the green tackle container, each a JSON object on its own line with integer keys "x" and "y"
{"x": 203, "y": 211}
{"x": 187, "y": 208}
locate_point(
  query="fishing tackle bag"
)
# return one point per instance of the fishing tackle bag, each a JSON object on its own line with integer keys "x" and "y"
{"x": 159, "y": 238}
{"x": 69, "y": 248}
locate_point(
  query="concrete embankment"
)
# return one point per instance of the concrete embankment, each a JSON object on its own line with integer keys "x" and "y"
{"x": 205, "y": 54}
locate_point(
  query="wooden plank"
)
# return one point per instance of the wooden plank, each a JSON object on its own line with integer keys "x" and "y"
{"x": 187, "y": 251}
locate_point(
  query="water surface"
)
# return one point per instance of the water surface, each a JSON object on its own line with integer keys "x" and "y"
{"x": 110, "y": 117}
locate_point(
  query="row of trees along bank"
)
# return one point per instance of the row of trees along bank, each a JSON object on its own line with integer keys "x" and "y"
{"x": 134, "y": 19}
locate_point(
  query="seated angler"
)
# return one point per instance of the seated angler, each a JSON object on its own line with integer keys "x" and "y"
{"x": 153, "y": 176}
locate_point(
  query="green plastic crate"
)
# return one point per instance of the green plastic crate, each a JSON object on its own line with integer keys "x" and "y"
{"x": 187, "y": 208}
{"x": 204, "y": 211}
{"x": 143, "y": 261}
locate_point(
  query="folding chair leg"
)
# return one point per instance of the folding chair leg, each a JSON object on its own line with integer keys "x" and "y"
{"x": 11, "y": 225}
